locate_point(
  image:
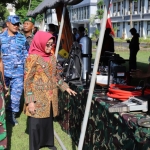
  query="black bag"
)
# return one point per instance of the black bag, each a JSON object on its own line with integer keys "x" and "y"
{"x": 72, "y": 68}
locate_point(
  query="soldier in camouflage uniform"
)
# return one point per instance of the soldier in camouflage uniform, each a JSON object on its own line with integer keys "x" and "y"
{"x": 28, "y": 25}
{"x": 3, "y": 131}
{"x": 14, "y": 52}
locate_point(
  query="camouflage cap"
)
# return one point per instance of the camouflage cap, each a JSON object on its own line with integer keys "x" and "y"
{"x": 30, "y": 19}
{"x": 13, "y": 19}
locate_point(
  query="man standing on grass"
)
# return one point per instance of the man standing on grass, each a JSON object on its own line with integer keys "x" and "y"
{"x": 14, "y": 52}
{"x": 134, "y": 48}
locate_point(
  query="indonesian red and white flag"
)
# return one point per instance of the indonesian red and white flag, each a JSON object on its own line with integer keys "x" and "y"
{"x": 108, "y": 23}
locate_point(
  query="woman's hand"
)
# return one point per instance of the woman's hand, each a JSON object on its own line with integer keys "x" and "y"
{"x": 71, "y": 92}
{"x": 6, "y": 90}
{"x": 31, "y": 107}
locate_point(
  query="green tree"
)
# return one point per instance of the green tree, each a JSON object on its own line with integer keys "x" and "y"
{"x": 97, "y": 32}
{"x": 23, "y": 7}
{"x": 3, "y": 4}
{"x": 3, "y": 12}
{"x": 14, "y": 2}
{"x": 100, "y": 11}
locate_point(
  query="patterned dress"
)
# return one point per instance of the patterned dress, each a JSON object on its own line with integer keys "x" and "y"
{"x": 40, "y": 87}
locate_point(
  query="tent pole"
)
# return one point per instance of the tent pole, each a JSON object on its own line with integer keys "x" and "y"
{"x": 93, "y": 79}
{"x": 59, "y": 141}
{"x": 60, "y": 30}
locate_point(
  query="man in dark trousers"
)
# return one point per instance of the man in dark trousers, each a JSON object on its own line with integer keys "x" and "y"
{"x": 134, "y": 48}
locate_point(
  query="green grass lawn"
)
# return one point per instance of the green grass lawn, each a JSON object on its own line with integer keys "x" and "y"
{"x": 18, "y": 138}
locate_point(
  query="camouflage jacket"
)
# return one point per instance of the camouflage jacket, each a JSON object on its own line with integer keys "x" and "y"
{"x": 14, "y": 52}
{"x": 29, "y": 40}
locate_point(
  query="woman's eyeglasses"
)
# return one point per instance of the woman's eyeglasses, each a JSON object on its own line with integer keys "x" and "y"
{"x": 50, "y": 45}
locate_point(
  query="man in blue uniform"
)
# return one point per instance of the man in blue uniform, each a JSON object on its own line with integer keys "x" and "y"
{"x": 14, "y": 52}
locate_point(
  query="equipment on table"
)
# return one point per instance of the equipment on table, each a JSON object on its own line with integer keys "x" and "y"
{"x": 144, "y": 122}
{"x": 114, "y": 73}
{"x": 132, "y": 104}
{"x": 86, "y": 46}
{"x": 102, "y": 80}
{"x": 72, "y": 67}
{"x": 116, "y": 69}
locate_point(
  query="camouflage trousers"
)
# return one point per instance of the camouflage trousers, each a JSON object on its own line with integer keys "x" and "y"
{"x": 16, "y": 88}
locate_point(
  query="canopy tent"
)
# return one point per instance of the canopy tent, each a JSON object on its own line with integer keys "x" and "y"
{"x": 65, "y": 31}
{"x": 55, "y": 3}
{"x": 45, "y": 4}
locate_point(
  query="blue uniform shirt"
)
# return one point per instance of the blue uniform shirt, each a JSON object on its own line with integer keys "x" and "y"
{"x": 14, "y": 52}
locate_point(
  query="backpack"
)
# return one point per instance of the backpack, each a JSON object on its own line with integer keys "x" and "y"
{"x": 72, "y": 67}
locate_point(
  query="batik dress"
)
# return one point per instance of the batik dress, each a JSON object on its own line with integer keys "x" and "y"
{"x": 40, "y": 87}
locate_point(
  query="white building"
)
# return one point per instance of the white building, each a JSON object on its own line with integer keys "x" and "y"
{"x": 11, "y": 9}
{"x": 50, "y": 17}
{"x": 81, "y": 13}
{"x": 120, "y": 17}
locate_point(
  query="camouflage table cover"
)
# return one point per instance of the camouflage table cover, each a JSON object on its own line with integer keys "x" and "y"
{"x": 105, "y": 131}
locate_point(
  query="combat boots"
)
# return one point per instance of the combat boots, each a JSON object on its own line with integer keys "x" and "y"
{"x": 12, "y": 118}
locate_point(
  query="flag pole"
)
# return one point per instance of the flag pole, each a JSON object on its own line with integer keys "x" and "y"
{"x": 60, "y": 30}
{"x": 92, "y": 83}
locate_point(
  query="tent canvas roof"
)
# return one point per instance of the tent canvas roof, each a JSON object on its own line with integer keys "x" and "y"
{"x": 45, "y": 4}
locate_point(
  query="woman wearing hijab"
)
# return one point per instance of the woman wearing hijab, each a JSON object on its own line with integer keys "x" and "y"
{"x": 41, "y": 81}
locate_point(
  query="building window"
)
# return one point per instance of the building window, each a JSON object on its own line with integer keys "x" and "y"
{"x": 148, "y": 28}
{"x": 136, "y": 6}
{"x": 118, "y": 29}
{"x": 79, "y": 13}
{"x": 84, "y": 10}
{"x": 122, "y": 8}
{"x": 114, "y": 8}
{"x": 119, "y": 7}
{"x": 114, "y": 25}
{"x": 135, "y": 25}
{"x": 88, "y": 13}
{"x": 72, "y": 14}
{"x": 148, "y": 4}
